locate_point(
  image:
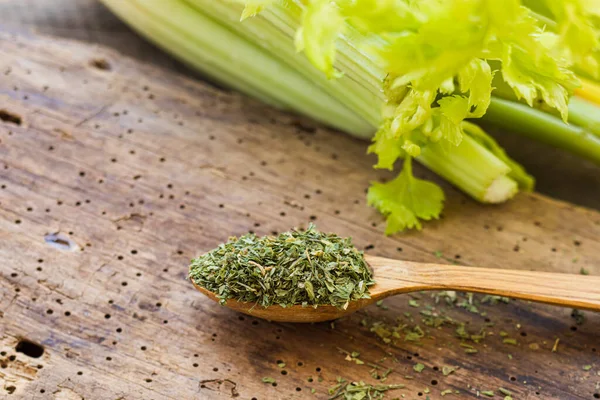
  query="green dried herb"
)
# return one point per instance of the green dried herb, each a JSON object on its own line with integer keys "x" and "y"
{"x": 360, "y": 390}
{"x": 418, "y": 367}
{"x": 489, "y": 393}
{"x": 268, "y": 379}
{"x": 304, "y": 267}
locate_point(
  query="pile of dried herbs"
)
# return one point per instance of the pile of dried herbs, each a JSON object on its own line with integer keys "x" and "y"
{"x": 304, "y": 267}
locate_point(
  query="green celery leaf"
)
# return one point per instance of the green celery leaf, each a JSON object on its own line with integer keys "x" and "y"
{"x": 253, "y": 7}
{"x": 406, "y": 199}
{"x": 322, "y": 24}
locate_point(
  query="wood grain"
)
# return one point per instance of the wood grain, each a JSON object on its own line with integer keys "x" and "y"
{"x": 138, "y": 170}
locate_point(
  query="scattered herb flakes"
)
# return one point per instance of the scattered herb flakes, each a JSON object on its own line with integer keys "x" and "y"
{"x": 446, "y": 370}
{"x": 508, "y": 398}
{"x": 534, "y": 346}
{"x": 445, "y": 392}
{"x": 510, "y": 341}
{"x": 584, "y": 271}
{"x": 360, "y": 390}
{"x": 489, "y": 393}
{"x": 268, "y": 379}
{"x": 438, "y": 254}
{"x": 381, "y": 305}
{"x": 555, "y": 347}
{"x": 281, "y": 365}
{"x": 510, "y": 357}
{"x": 297, "y": 267}
{"x": 493, "y": 300}
{"x": 413, "y": 303}
{"x": 587, "y": 367}
{"x": 505, "y": 392}
{"x": 419, "y": 367}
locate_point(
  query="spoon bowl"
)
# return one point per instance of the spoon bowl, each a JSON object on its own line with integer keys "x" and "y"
{"x": 395, "y": 276}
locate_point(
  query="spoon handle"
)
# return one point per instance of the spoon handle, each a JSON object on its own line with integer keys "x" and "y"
{"x": 568, "y": 290}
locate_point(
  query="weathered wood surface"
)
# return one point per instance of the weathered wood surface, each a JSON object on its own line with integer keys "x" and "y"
{"x": 142, "y": 170}
{"x": 559, "y": 174}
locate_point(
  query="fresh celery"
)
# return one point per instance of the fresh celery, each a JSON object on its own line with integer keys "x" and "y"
{"x": 414, "y": 70}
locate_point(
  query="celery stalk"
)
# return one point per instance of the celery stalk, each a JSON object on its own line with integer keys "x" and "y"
{"x": 478, "y": 173}
{"x": 543, "y": 127}
{"x": 217, "y": 51}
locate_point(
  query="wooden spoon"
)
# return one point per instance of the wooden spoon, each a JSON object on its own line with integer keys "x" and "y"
{"x": 395, "y": 276}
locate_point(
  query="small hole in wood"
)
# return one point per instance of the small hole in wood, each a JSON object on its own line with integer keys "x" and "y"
{"x": 11, "y": 389}
{"x": 143, "y": 348}
{"x": 434, "y": 382}
{"x": 29, "y": 348}
{"x": 11, "y": 118}
{"x": 119, "y": 330}
{"x": 101, "y": 64}
{"x": 49, "y": 312}
{"x": 513, "y": 379}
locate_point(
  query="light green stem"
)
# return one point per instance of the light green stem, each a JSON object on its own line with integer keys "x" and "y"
{"x": 527, "y": 121}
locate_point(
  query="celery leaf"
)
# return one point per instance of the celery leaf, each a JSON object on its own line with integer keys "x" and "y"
{"x": 405, "y": 200}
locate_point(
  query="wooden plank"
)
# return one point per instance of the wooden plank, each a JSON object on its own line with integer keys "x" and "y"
{"x": 558, "y": 173}
{"x": 142, "y": 170}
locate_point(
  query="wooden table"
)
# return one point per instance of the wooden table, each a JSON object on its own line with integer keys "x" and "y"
{"x": 117, "y": 173}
